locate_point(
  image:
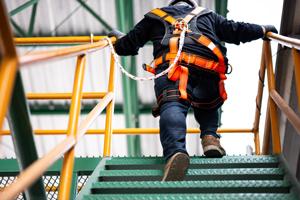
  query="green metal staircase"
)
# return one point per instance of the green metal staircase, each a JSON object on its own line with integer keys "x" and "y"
{"x": 231, "y": 177}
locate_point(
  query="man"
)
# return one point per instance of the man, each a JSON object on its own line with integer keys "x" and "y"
{"x": 196, "y": 81}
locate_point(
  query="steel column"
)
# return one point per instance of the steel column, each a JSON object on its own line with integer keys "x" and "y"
{"x": 32, "y": 20}
{"x": 22, "y": 136}
{"x": 125, "y": 23}
{"x": 73, "y": 191}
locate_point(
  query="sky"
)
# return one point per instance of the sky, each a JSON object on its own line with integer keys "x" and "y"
{"x": 239, "y": 109}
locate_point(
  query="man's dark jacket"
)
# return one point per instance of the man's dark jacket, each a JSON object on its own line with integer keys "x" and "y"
{"x": 212, "y": 25}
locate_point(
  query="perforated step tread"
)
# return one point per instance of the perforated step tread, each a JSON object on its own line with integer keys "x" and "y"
{"x": 192, "y": 197}
{"x": 195, "y": 174}
{"x": 195, "y": 162}
{"x": 138, "y": 187}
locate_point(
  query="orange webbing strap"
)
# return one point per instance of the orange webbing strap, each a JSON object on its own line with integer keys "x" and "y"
{"x": 175, "y": 71}
{"x": 162, "y": 14}
{"x": 184, "y": 74}
{"x": 178, "y": 72}
{"x": 190, "y": 59}
{"x": 209, "y": 44}
{"x": 192, "y": 14}
{"x": 148, "y": 68}
{"x": 222, "y": 90}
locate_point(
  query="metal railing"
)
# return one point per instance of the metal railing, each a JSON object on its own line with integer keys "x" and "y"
{"x": 76, "y": 130}
{"x": 73, "y": 134}
{"x": 8, "y": 69}
{"x": 275, "y": 100}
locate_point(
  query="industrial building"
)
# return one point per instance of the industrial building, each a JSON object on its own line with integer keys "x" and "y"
{"x": 73, "y": 125}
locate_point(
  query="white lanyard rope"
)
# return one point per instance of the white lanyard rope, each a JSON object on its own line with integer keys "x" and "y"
{"x": 116, "y": 58}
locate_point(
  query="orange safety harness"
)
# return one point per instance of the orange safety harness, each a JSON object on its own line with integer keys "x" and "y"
{"x": 180, "y": 71}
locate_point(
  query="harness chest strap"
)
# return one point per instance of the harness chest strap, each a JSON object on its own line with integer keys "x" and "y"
{"x": 178, "y": 72}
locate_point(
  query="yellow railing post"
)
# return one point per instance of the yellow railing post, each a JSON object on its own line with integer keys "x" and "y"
{"x": 109, "y": 110}
{"x": 8, "y": 64}
{"x": 273, "y": 111}
{"x": 258, "y": 102}
{"x": 296, "y": 55}
{"x": 266, "y": 138}
{"x": 68, "y": 163}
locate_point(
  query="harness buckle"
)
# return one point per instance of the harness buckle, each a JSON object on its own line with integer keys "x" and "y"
{"x": 180, "y": 24}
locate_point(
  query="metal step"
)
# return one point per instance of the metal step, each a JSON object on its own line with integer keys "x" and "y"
{"x": 184, "y": 187}
{"x": 252, "y": 196}
{"x": 196, "y": 162}
{"x": 195, "y": 174}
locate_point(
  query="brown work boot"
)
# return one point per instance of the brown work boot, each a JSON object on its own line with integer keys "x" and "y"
{"x": 212, "y": 147}
{"x": 176, "y": 167}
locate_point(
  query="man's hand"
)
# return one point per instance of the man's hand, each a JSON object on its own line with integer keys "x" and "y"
{"x": 116, "y": 33}
{"x": 268, "y": 28}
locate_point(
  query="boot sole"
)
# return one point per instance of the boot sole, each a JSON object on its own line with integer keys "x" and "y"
{"x": 178, "y": 167}
{"x": 212, "y": 151}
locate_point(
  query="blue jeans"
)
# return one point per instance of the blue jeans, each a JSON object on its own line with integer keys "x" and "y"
{"x": 173, "y": 125}
{"x": 202, "y": 87}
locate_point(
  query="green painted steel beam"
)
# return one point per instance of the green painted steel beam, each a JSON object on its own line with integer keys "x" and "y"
{"x": 94, "y": 14}
{"x": 32, "y": 20}
{"x": 18, "y": 28}
{"x": 74, "y": 185}
{"x": 22, "y": 7}
{"x": 63, "y": 109}
{"x": 93, "y": 178}
{"x": 192, "y": 197}
{"x": 22, "y": 136}
{"x": 125, "y": 23}
{"x": 221, "y": 7}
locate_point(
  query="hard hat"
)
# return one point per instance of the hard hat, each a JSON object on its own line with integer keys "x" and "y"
{"x": 193, "y": 3}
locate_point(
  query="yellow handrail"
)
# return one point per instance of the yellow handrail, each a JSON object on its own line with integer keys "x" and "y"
{"x": 128, "y": 131}
{"x": 34, "y": 171}
{"x": 258, "y": 102}
{"x": 284, "y": 40}
{"x": 68, "y": 162}
{"x": 296, "y": 55}
{"x": 57, "y": 40}
{"x": 273, "y": 112}
{"x": 109, "y": 110}
{"x": 275, "y": 100}
{"x": 8, "y": 69}
{"x": 48, "y": 96}
{"x": 40, "y": 56}
{"x": 8, "y": 65}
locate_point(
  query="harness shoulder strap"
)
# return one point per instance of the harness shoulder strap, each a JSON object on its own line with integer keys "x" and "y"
{"x": 162, "y": 15}
{"x": 194, "y": 13}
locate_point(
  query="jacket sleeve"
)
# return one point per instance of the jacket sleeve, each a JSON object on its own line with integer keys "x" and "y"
{"x": 135, "y": 39}
{"x": 236, "y": 32}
